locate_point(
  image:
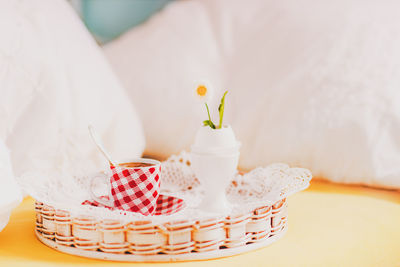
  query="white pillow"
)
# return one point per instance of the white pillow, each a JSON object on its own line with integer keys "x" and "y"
{"x": 54, "y": 82}
{"x": 311, "y": 83}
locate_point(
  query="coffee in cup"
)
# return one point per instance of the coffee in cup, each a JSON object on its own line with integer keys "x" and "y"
{"x": 133, "y": 186}
{"x": 135, "y": 164}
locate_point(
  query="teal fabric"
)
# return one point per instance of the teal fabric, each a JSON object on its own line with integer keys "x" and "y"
{"x": 107, "y": 19}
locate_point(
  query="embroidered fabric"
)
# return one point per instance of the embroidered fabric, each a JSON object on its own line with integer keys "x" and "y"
{"x": 259, "y": 187}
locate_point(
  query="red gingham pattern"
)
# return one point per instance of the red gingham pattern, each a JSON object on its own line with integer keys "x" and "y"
{"x": 135, "y": 189}
{"x": 166, "y": 205}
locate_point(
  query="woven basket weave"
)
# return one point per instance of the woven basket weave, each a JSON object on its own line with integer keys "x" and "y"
{"x": 146, "y": 238}
{"x": 258, "y": 217}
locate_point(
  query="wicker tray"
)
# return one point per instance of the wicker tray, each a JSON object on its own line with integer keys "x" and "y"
{"x": 258, "y": 216}
{"x": 145, "y": 240}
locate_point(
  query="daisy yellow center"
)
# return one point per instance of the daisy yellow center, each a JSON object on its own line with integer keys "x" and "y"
{"x": 201, "y": 90}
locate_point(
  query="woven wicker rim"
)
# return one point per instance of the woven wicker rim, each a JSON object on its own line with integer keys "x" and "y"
{"x": 149, "y": 240}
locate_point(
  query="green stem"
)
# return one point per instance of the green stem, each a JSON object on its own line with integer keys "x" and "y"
{"x": 221, "y": 110}
{"x": 212, "y": 125}
{"x": 208, "y": 112}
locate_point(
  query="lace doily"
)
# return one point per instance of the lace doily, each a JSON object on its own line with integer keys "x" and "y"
{"x": 261, "y": 186}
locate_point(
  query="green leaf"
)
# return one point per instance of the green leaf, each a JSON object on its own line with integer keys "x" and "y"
{"x": 209, "y": 123}
{"x": 221, "y": 108}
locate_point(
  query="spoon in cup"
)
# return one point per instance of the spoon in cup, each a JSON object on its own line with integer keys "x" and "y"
{"x": 97, "y": 140}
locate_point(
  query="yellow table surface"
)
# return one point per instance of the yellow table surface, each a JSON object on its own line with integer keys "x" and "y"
{"x": 329, "y": 225}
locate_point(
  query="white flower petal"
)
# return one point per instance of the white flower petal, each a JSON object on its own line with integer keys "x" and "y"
{"x": 210, "y": 91}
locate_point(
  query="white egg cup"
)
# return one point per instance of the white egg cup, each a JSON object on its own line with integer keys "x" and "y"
{"x": 215, "y": 157}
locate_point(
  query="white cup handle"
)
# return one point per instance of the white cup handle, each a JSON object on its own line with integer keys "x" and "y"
{"x": 108, "y": 203}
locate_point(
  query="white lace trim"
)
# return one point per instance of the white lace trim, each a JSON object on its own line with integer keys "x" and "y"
{"x": 261, "y": 186}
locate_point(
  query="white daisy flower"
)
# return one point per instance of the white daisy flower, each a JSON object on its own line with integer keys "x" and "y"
{"x": 204, "y": 91}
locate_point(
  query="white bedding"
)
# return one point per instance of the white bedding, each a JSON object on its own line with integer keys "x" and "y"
{"x": 10, "y": 193}
{"x": 311, "y": 83}
{"x": 54, "y": 81}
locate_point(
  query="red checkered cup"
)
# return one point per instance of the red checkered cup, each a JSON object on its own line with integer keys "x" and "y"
{"x": 134, "y": 186}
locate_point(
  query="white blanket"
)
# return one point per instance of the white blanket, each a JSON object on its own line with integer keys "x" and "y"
{"x": 54, "y": 81}
{"x": 10, "y": 193}
{"x": 313, "y": 83}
